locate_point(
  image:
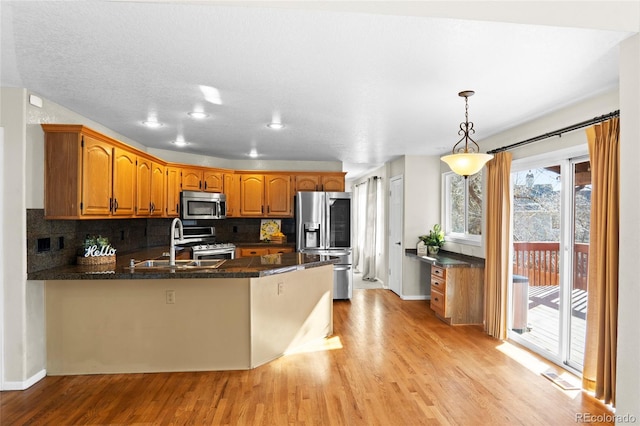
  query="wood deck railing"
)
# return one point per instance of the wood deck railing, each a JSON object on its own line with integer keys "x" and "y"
{"x": 539, "y": 262}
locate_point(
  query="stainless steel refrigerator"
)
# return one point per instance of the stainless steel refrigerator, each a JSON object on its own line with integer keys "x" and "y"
{"x": 323, "y": 226}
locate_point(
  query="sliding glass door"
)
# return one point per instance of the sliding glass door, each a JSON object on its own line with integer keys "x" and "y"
{"x": 551, "y": 210}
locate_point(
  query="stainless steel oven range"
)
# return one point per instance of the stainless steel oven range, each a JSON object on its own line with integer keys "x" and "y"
{"x": 202, "y": 242}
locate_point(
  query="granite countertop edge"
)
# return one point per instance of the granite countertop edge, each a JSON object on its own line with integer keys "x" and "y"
{"x": 246, "y": 267}
{"x": 446, "y": 259}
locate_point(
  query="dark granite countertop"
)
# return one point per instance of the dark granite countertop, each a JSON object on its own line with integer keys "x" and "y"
{"x": 246, "y": 267}
{"x": 446, "y": 259}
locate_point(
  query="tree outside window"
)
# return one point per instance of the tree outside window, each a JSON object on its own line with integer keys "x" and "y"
{"x": 463, "y": 207}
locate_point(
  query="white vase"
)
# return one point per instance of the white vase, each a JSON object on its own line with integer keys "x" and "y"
{"x": 433, "y": 249}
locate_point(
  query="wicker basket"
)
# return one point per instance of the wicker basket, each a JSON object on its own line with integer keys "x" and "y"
{"x": 96, "y": 260}
{"x": 278, "y": 240}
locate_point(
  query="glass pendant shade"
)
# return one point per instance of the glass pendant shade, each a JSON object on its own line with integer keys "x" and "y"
{"x": 466, "y": 160}
{"x": 466, "y": 164}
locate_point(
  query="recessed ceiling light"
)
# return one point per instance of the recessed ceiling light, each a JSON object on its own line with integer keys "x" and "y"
{"x": 198, "y": 114}
{"x": 253, "y": 153}
{"x": 154, "y": 124}
{"x": 275, "y": 126}
{"x": 180, "y": 142}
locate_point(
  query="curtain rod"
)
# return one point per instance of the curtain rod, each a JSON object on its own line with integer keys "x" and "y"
{"x": 558, "y": 132}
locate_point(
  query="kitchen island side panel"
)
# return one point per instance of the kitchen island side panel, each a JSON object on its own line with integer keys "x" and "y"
{"x": 127, "y": 326}
{"x": 289, "y": 311}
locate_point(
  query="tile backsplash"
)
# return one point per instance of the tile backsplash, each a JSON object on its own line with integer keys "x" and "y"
{"x": 52, "y": 243}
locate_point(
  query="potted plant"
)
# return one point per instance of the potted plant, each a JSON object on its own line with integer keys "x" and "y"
{"x": 434, "y": 239}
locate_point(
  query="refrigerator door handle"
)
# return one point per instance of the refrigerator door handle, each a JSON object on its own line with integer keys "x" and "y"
{"x": 341, "y": 268}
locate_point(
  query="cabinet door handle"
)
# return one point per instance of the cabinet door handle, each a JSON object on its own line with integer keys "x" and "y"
{"x": 115, "y": 205}
{"x": 268, "y": 209}
{"x": 200, "y": 184}
{"x": 110, "y": 204}
{"x": 436, "y": 299}
{"x": 205, "y": 185}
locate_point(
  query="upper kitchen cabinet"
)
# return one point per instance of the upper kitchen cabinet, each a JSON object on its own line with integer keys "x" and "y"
{"x": 265, "y": 195}
{"x": 157, "y": 189}
{"x": 278, "y": 196}
{"x": 191, "y": 179}
{"x": 251, "y": 195}
{"x": 333, "y": 182}
{"x": 173, "y": 186}
{"x": 97, "y": 177}
{"x": 150, "y": 178}
{"x": 87, "y": 175}
{"x": 124, "y": 182}
{"x": 232, "y": 191}
{"x": 213, "y": 180}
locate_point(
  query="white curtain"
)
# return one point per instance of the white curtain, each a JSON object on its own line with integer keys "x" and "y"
{"x": 367, "y": 210}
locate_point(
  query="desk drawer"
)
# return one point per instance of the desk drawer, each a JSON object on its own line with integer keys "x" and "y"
{"x": 438, "y": 283}
{"x": 439, "y": 272}
{"x": 437, "y": 301}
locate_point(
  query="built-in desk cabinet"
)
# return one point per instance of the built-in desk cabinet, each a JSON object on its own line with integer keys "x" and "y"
{"x": 457, "y": 294}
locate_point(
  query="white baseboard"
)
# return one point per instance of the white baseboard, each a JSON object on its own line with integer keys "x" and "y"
{"x": 417, "y": 297}
{"x": 25, "y": 384}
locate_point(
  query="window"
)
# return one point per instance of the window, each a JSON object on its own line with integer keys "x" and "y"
{"x": 463, "y": 208}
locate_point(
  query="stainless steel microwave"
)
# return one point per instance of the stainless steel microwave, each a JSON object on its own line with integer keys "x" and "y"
{"x": 203, "y": 205}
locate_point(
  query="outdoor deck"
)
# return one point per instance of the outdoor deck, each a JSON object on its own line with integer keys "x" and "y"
{"x": 543, "y": 320}
{"x": 539, "y": 263}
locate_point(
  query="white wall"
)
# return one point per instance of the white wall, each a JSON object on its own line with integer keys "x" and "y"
{"x": 628, "y": 373}
{"x": 248, "y": 164}
{"x": 421, "y": 211}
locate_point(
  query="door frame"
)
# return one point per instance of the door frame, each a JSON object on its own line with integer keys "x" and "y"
{"x": 564, "y": 158}
{"x": 395, "y": 269}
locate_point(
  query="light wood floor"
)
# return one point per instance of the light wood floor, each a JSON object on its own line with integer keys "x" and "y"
{"x": 393, "y": 363}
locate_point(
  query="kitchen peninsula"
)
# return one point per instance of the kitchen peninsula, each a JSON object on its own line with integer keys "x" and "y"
{"x": 239, "y": 315}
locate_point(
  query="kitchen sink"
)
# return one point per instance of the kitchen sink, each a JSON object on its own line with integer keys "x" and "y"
{"x": 181, "y": 264}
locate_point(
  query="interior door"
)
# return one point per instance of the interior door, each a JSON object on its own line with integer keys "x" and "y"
{"x": 396, "y": 213}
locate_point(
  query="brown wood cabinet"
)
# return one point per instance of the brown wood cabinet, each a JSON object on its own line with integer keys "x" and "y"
{"x": 97, "y": 177}
{"x": 457, "y": 294}
{"x": 262, "y": 250}
{"x": 213, "y": 180}
{"x": 143, "y": 203}
{"x": 89, "y": 175}
{"x": 332, "y": 183}
{"x": 124, "y": 182}
{"x": 251, "y": 195}
{"x": 150, "y": 200}
{"x": 191, "y": 179}
{"x": 279, "y": 202}
{"x": 232, "y": 191}
{"x": 157, "y": 189}
{"x": 265, "y": 195}
{"x": 320, "y": 182}
{"x": 173, "y": 185}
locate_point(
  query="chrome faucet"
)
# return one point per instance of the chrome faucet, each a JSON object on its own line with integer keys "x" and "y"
{"x": 172, "y": 250}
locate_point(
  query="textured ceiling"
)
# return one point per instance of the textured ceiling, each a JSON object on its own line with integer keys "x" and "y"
{"x": 352, "y": 87}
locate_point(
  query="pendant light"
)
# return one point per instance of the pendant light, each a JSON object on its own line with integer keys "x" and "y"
{"x": 466, "y": 160}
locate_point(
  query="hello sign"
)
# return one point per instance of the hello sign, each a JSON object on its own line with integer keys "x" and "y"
{"x": 94, "y": 251}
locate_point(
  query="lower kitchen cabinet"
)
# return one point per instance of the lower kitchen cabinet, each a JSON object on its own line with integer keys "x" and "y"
{"x": 457, "y": 294}
{"x": 262, "y": 250}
